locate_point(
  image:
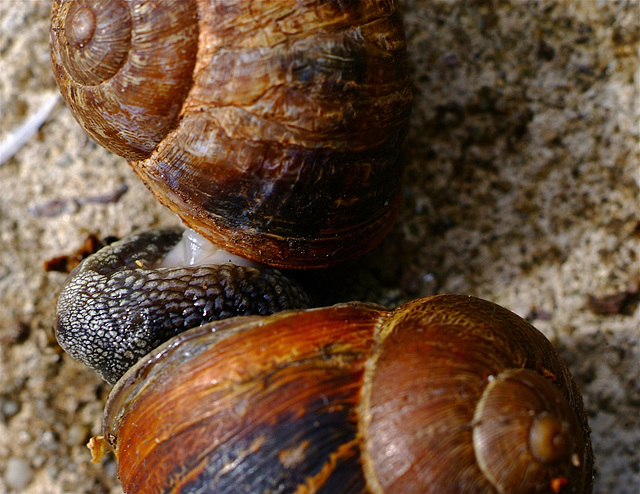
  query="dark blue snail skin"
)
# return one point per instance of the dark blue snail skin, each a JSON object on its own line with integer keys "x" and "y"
{"x": 118, "y": 305}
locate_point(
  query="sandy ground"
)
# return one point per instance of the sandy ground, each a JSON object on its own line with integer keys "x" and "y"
{"x": 521, "y": 187}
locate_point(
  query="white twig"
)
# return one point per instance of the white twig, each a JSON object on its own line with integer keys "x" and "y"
{"x": 20, "y": 136}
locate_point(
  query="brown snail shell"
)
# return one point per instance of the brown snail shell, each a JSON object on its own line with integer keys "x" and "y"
{"x": 444, "y": 394}
{"x": 273, "y": 128}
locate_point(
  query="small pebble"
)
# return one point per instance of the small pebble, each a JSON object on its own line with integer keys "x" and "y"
{"x": 17, "y": 473}
{"x": 451, "y": 60}
{"x": 10, "y": 408}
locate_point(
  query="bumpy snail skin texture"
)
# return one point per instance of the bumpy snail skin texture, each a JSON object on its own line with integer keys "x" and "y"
{"x": 118, "y": 304}
{"x": 273, "y": 128}
{"x": 447, "y": 394}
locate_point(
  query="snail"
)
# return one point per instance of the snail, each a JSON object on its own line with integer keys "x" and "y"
{"x": 274, "y": 129}
{"x": 444, "y": 394}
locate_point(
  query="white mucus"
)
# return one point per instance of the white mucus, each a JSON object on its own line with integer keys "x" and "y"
{"x": 195, "y": 250}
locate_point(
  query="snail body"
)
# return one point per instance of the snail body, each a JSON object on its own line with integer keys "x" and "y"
{"x": 274, "y": 129}
{"x": 444, "y": 394}
{"x": 134, "y": 294}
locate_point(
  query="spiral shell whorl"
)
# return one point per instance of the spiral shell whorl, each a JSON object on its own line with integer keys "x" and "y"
{"x": 523, "y": 415}
{"x": 459, "y": 352}
{"x": 98, "y": 36}
{"x": 116, "y": 66}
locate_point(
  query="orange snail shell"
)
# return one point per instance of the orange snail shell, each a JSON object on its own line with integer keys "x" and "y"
{"x": 446, "y": 394}
{"x": 273, "y": 128}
